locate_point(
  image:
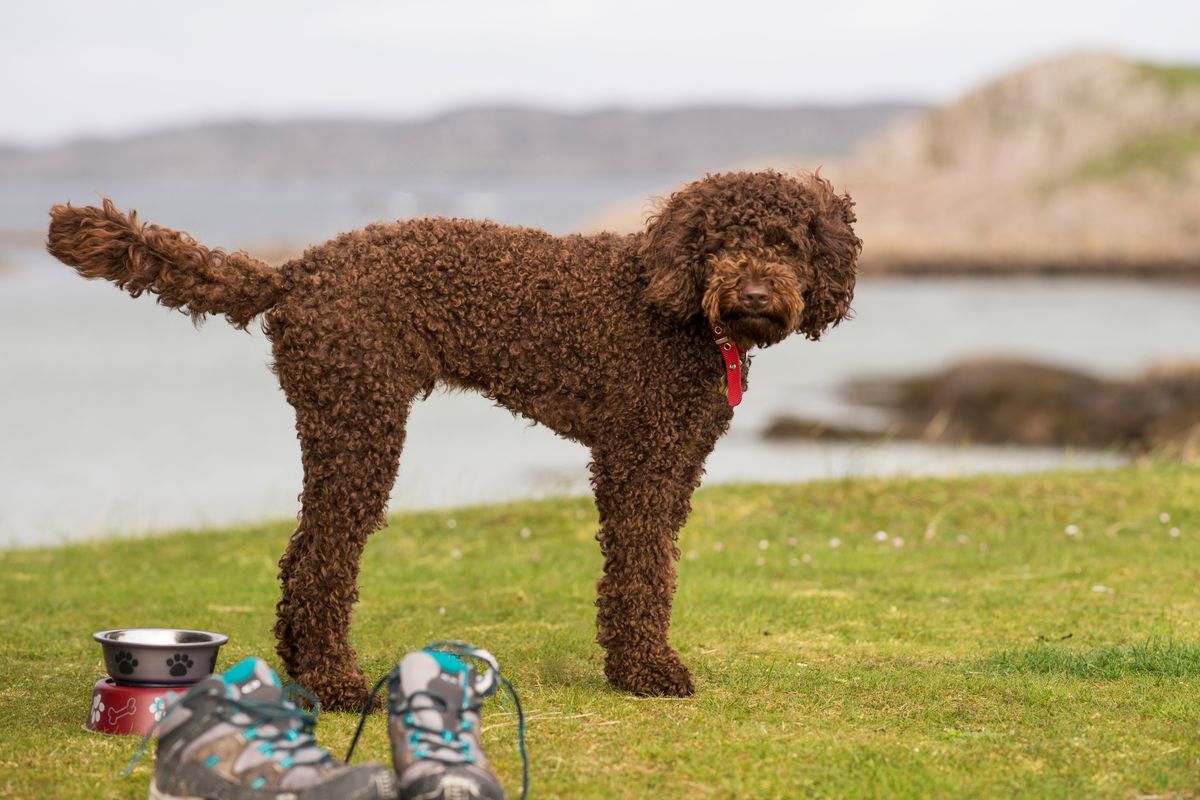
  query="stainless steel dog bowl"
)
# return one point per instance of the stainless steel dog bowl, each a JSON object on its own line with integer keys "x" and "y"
{"x": 159, "y": 656}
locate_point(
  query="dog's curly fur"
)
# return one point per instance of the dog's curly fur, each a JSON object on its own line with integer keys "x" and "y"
{"x": 604, "y": 339}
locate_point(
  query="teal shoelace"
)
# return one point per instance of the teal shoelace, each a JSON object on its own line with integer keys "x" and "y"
{"x": 288, "y": 737}
{"x": 434, "y": 741}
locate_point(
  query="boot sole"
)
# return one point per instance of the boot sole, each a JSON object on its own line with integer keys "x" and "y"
{"x": 156, "y": 794}
{"x": 159, "y": 794}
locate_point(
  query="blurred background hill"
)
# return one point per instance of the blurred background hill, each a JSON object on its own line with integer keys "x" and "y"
{"x": 1089, "y": 160}
{"x": 471, "y": 140}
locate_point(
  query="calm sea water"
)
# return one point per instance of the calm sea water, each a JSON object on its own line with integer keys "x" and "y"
{"x": 119, "y": 417}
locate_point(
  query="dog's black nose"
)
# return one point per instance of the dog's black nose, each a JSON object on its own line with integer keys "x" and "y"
{"x": 754, "y": 295}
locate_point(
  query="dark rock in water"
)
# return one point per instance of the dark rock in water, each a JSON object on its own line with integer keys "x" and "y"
{"x": 789, "y": 427}
{"x": 1000, "y": 401}
{"x": 1005, "y": 401}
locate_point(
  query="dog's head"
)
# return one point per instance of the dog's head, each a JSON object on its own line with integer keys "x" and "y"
{"x": 765, "y": 254}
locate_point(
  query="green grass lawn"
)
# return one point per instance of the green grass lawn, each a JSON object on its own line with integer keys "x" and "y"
{"x": 979, "y": 650}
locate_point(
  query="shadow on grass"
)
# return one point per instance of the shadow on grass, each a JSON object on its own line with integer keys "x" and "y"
{"x": 1152, "y": 657}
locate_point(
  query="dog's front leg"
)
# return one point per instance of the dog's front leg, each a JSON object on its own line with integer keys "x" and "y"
{"x": 643, "y": 494}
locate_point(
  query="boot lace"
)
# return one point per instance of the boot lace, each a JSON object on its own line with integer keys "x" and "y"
{"x": 444, "y": 745}
{"x": 281, "y": 727}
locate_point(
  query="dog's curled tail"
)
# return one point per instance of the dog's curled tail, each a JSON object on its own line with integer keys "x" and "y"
{"x": 184, "y": 274}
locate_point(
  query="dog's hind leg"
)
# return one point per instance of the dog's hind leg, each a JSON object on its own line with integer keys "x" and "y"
{"x": 351, "y": 429}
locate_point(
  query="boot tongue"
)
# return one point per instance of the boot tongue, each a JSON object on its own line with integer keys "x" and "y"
{"x": 252, "y": 679}
{"x": 439, "y": 674}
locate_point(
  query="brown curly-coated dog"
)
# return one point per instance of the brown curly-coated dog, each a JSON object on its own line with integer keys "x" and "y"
{"x": 605, "y": 339}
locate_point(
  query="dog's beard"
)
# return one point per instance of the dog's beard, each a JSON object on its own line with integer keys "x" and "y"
{"x": 757, "y": 329}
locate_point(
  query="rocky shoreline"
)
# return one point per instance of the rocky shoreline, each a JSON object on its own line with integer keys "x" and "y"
{"x": 1015, "y": 402}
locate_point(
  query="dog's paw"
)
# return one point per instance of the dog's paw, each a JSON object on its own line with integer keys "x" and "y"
{"x": 337, "y": 691}
{"x": 660, "y": 673}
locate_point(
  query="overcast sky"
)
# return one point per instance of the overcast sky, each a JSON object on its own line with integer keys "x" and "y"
{"x": 85, "y": 67}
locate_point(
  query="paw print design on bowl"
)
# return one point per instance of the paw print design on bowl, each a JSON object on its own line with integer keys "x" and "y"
{"x": 158, "y": 709}
{"x": 179, "y": 664}
{"x": 97, "y": 709}
{"x": 126, "y": 663}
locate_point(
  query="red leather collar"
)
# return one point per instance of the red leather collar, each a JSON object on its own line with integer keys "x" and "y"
{"x": 733, "y": 364}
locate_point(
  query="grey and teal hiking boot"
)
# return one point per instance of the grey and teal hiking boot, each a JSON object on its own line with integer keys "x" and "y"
{"x": 434, "y": 701}
{"x": 241, "y": 736}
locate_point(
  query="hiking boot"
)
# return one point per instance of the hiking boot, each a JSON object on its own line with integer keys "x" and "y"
{"x": 240, "y": 736}
{"x": 434, "y": 702}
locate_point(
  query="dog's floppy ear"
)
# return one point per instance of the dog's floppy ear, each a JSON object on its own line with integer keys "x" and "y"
{"x": 672, "y": 255}
{"x": 835, "y": 249}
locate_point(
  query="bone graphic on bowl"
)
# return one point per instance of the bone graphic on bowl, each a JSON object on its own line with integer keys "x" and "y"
{"x": 126, "y": 710}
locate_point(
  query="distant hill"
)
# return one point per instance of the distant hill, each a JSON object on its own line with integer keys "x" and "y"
{"x": 1088, "y": 160}
{"x": 494, "y": 140}
{"x": 1084, "y": 162}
